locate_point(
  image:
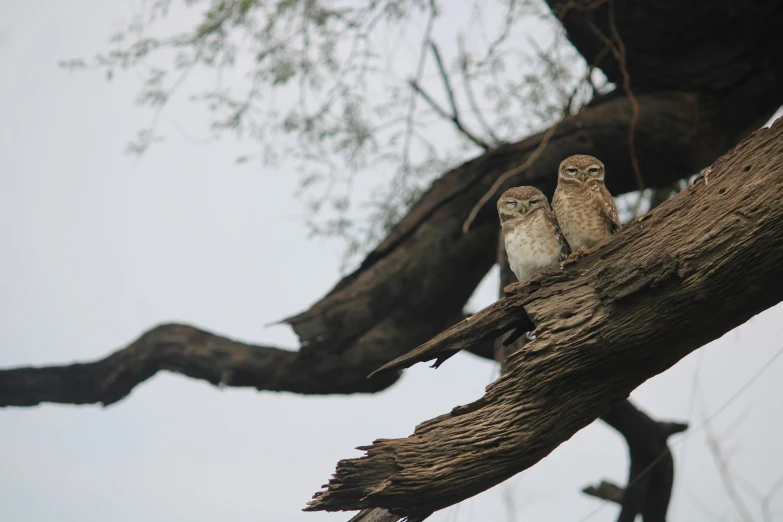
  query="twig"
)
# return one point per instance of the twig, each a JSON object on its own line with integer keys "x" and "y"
{"x": 412, "y": 104}
{"x": 469, "y": 92}
{"x": 591, "y": 67}
{"x": 446, "y": 82}
{"x": 692, "y": 403}
{"x": 442, "y": 112}
{"x": 147, "y": 135}
{"x": 742, "y": 389}
{"x": 619, "y": 53}
{"x": 573, "y": 5}
{"x": 509, "y": 173}
{"x": 509, "y": 21}
{"x": 725, "y": 475}
{"x": 768, "y": 498}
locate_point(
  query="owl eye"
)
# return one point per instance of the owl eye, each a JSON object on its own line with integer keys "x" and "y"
{"x": 571, "y": 170}
{"x": 534, "y": 201}
{"x": 511, "y": 204}
{"x": 593, "y": 170}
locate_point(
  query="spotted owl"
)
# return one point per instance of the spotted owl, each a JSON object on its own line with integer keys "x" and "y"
{"x": 583, "y": 206}
{"x": 531, "y": 234}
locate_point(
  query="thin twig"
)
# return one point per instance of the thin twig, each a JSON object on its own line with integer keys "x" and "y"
{"x": 509, "y": 20}
{"x": 412, "y": 104}
{"x": 742, "y": 389}
{"x": 618, "y": 50}
{"x": 553, "y": 67}
{"x": 692, "y": 404}
{"x": 442, "y": 112}
{"x": 146, "y": 139}
{"x": 469, "y": 92}
{"x": 509, "y": 173}
{"x": 725, "y": 474}
{"x": 446, "y": 81}
{"x": 573, "y": 5}
{"x": 622, "y": 60}
{"x": 768, "y": 498}
{"x": 452, "y": 101}
{"x": 591, "y": 67}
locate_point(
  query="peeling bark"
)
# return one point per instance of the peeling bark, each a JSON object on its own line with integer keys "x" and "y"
{"x": 683, "y": 275}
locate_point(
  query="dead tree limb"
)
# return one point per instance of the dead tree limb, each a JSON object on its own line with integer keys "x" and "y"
{"x": 651, "y": 475}
{"x": 694, "y": 268}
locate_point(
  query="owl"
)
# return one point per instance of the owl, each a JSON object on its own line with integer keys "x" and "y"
{"x": 531, "y": 234}
{"x": 584, "y": 207}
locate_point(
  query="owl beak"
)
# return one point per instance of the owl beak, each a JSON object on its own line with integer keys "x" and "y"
{"x": 583, "y": 176}
{"x": 523, "y": 208}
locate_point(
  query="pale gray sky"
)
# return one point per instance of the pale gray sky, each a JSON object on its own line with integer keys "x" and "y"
{"x": 99, "y": 246}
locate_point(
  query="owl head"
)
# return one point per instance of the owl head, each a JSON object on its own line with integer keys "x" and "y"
{"x": 518, "y": 202}
{"x": 581, "y": 169}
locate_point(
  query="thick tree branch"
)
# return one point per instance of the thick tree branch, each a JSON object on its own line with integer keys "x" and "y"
{"x": 685, "y": 274}
{"x": 174, "y": 347}
{"x": 651, "y": 474}
{"x": 188, "y": 351}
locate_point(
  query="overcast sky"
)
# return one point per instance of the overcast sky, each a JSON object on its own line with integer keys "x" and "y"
{"x": 98, "y": 246}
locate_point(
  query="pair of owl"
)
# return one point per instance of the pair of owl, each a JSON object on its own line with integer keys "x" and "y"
{"x": 584, "y": 215}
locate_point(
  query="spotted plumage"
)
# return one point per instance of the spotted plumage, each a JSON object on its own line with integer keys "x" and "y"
{"x": 531, "y": 235}
{"x": 583, "y": 206}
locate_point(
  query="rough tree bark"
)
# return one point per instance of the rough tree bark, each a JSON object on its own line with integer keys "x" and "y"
{"x": 651, "y": 473}
{"x": 683, "y": 275}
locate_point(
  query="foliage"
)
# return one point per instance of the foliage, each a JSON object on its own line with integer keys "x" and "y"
{"x": 386, "y": 94}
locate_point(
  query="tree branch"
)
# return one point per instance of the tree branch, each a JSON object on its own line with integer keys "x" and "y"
{"x": 606, "y": 491}
{"x": 176, "y": 348}
{"x": 453, "y": 118}
{"x": 640, "y": 302}
{"x": 651, "y": 474}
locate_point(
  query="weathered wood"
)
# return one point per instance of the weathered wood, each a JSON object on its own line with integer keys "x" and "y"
{"x": 651, "y": 474}
{"x": 685, "y": 274}
{"x": 382, "y": 515}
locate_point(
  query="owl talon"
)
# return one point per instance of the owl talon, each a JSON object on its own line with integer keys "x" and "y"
{"x": 579, "y": 253}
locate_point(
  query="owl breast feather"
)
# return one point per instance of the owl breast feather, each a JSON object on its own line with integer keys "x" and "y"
{"x": 531, "y": 246}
